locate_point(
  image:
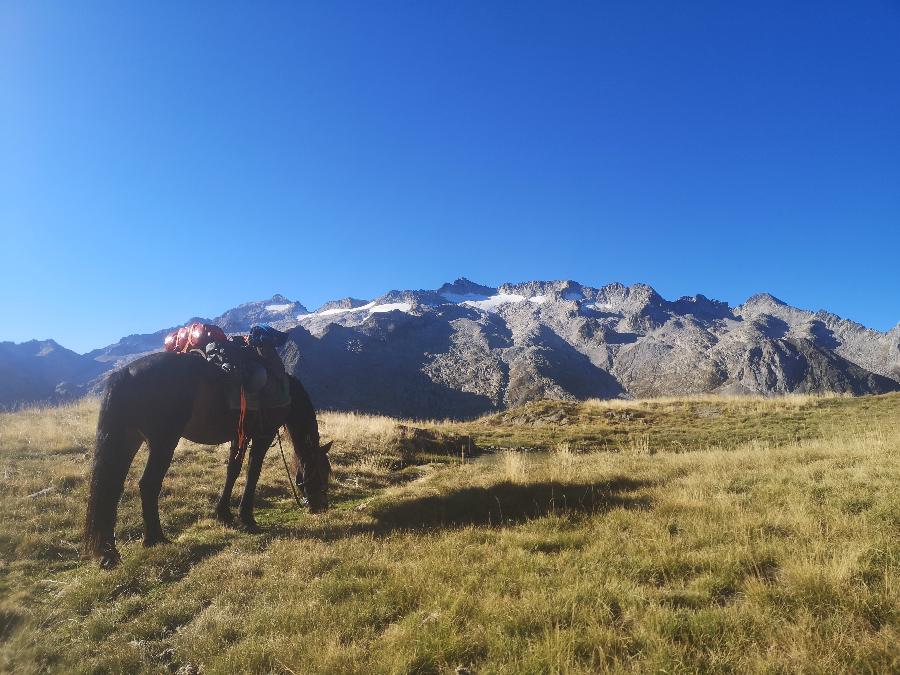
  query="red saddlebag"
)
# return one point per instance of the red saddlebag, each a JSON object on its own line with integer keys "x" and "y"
{"x": 195, "y": 336}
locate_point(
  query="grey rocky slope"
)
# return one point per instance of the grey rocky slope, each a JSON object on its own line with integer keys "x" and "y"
{"x": 465, "y": 349}
{"x": 41, "y": 371}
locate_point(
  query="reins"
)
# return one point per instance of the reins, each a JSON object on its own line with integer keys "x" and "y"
{"x": 242, "y": 419}
{"x": 288, "y": 471}
{"x": 242, "y": 448}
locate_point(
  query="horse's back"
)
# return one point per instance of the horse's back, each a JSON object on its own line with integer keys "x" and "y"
{"x": 163, "y": 392}
{"x": 172, "y": 393}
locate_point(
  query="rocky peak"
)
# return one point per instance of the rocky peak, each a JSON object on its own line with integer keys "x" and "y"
{"x": 38, "y": 348}
{"x": 463, "y": 287}
{"x": 411, "y": 298}
{"x": 554, "y": 289}
{"x": 636, "y": 299}
{"x": 702, "y": 307}
{"x": 343, "y": 303}
{"x": 645, "y": 293}
{"x": 609, "y": 295}
{"x": 763, "y": 300}
{"x": 276, "y": 310}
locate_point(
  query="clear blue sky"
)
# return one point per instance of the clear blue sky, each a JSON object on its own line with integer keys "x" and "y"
{"x": 164, "y": 160}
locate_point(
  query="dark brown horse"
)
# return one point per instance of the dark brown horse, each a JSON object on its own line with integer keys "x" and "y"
{"x": 164, "y": 397}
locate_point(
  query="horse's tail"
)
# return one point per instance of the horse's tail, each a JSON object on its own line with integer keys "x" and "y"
{"x": 115, "y": 446}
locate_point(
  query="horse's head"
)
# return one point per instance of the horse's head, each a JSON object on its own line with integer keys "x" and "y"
{"x": 313, "y": 468}
{"x": 313, "y": 475}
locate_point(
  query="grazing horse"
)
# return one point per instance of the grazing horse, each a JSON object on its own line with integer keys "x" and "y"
{"x": 163, "y": 397}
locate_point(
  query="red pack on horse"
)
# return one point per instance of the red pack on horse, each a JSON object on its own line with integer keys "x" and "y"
{"x": 195, "y": 336}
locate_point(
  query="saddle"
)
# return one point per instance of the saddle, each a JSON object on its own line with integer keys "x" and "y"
{"x": 258, "y": 371}
{"x": 252, "y": 368}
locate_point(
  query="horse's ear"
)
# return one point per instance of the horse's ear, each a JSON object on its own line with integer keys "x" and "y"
{"x": 327, "y": 447}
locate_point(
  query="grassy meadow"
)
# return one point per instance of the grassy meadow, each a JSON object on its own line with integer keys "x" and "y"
{"x": 672, "y": 535}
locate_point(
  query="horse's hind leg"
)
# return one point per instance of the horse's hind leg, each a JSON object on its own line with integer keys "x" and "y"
{"x": 223, "y": 507}
{"x": 115, "y": 452}
{"x": 161, "y": 451}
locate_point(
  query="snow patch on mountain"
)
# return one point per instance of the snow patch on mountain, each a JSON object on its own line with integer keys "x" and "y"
{"x": 493, "y": 302}
{"x": 337, "y": 311}
{"x": 458, "y": 298}
{"x": 344, "y": 310}
{"x": 390, "y": 307}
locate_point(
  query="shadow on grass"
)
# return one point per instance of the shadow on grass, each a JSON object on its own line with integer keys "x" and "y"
{"x": 493, "y": 506}
{"x": 190, "y": 555}
{"x": 173, "y": 562}
{"x": 10, "y": 619}
{"x": 507, "y": 502}
{"x": 497, "y": 505}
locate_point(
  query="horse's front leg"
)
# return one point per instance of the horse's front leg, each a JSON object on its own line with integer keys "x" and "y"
{"x": 235, "y": 460}
{"x": 258, "y": 451}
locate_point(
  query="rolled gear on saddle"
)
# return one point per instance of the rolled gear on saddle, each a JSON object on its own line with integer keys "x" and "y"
{"x": 226, "y": 354}
{"x": 265, "y": 339}
{"x": 241, "y": 362}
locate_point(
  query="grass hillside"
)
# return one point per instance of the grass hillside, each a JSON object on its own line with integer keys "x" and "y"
{"x": 703, "y": 534}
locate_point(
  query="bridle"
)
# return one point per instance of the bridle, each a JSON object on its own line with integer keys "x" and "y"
{"x": 300, "y": 484}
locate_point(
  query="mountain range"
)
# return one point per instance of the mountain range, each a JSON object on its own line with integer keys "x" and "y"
{"x": 465, "y": 349}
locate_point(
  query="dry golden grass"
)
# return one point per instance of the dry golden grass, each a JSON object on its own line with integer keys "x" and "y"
{"x": 355, "y": 430}
{"x": 674, "y": 424}
{"x": 745, "y": 403}
{"x": 776, "y": 553}
{"x": 67, "y": 427}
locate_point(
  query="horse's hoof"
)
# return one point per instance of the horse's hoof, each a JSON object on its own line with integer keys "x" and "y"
{"x": 109, "y": 562}
{"x": 225, "y": 517}
{"x": 109, "y": 559}
{"x": 150, "y": 542}
{"x": 248, "y": 526}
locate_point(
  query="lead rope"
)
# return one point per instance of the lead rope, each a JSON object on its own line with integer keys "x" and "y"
{"x": 288, "y": 471}
{"x": 242, "y": 419}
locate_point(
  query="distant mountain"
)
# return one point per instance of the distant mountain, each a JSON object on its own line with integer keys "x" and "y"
{"x": 40, "y": 371}
{"x": 276, "y": 310}
{"x": 465, "y": 349}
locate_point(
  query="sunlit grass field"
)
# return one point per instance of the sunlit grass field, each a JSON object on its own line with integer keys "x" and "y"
{"x": 676, "y": 535}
